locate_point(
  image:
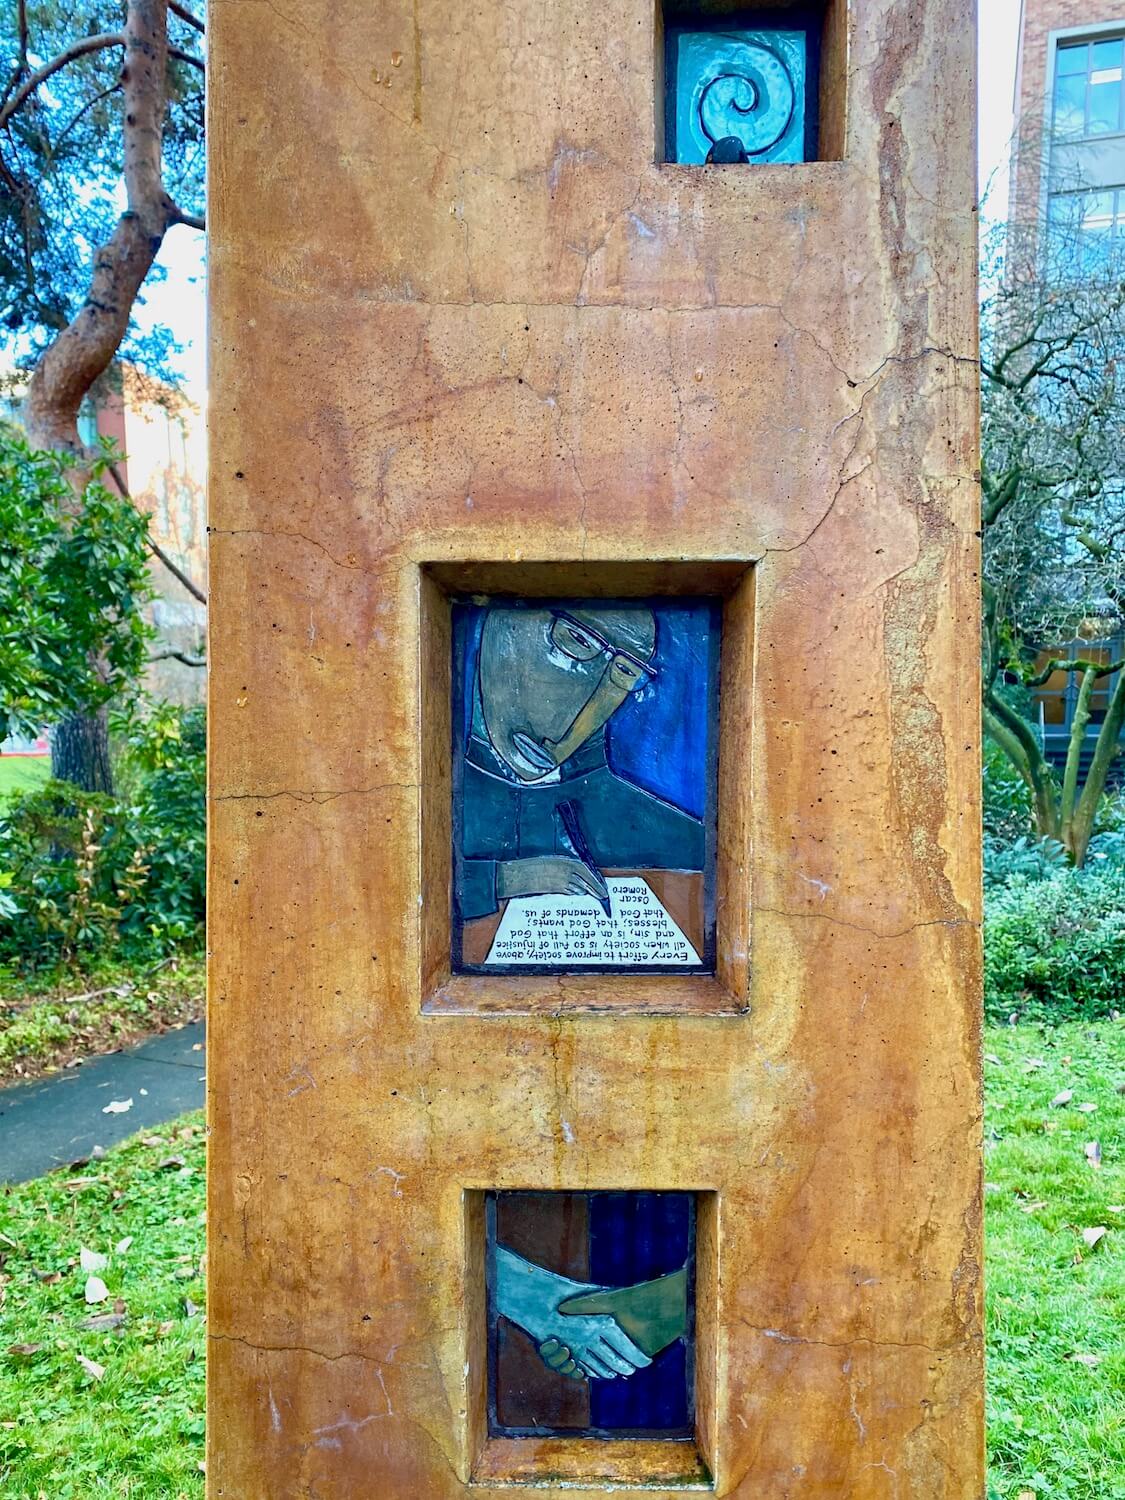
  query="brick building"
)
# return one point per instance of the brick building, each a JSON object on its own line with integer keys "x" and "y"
{"x": 1068, "y": 174}
{"x": 1070, "y": 112}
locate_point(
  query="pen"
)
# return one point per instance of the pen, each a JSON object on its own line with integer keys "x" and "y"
{"x": 572, "y": 827}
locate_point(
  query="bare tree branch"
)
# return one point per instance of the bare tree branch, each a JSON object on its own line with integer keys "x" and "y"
{"x": 1061, "y": 664}
{"x": 81, "y": 48}
{"x": 154, "y": 547}
{"x": 187, "y": 57}
{"x": 193, "y": 221}
{"x": 184, "y": 656}
{"x": 185, "y": 15}
{"x": 69, "y": 126}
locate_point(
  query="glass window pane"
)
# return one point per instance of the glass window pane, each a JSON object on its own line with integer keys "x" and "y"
{"x": 1071, "y": 59}
{"x": 1096, "y": 250}
{"x": 1097, "y": 210}
{"x": 1105, "y": 107}
{"x": 1108, "y": 54}
{"x": 1070, "y": 106}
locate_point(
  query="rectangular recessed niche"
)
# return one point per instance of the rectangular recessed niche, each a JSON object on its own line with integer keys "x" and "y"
{"x": 751, "y": 85}
{"x": 591, "y": 1348}
{"x": 651, "y": 820}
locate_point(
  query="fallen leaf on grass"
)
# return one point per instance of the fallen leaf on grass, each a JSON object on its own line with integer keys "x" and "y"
{"x": 1027, "y": 1495}
{"x": 171, "y": 1162}
{"x": 91, "y": 1366}
{"x": 117, "y": 1107}
{"x": 990, "y": 1057}
{"x": 1089, "y": 1360}
{"x": 96, "y": 1289}
{"x": 1064, "y": 1096}
{"x": 103, "y": 1322}
{"x": 123, "y": 1245}
{"x": 24, "y": 1351}
{"x": 1115, "y": 1208}
{"x": 153, "y": 1140}
{"x": 1087, "y": 1109}
{"x": 91, "y": 1260}
{"x": 166, "y": 1328}
{"x": 1094, "y": 1154}
{"x": 1033, "y": 1208}
{"x": 1094, "y": 1235}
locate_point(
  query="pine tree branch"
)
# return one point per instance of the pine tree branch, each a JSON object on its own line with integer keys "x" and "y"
{"x": 193, "y": 221}
{"x": 187, "y": 57}
{"x": 185, "y": 15}
{"x": 81, "y": 48}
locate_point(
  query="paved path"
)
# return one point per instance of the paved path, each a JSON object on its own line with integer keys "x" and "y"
{"x": 57, "y": 1120}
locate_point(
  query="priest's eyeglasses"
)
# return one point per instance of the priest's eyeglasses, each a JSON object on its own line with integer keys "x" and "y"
{"x": 583, "y": 643}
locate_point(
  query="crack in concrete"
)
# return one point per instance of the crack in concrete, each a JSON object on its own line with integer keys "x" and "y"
{"x": 781, "y": 1337}
{"x": 234, "y": 1338}
{"x": 299, "y": 536}
{"x": 820, "y": 916}
{"x": 314, "y": 796}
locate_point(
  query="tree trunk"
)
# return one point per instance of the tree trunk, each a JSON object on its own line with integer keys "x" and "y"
{"x": 80, "y": 752}
{"x": 87, "y": 345}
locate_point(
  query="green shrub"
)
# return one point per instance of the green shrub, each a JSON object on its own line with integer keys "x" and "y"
{"x": 1054, "y": 949}
{"x": 167, "y": 753}
{"x": 1007, "y": 799}
{"x": 74, "y": 580}
{"x": 83, "y": 873}
{"x": 1111, "y": 812}
{"x": 1026, "y": 859}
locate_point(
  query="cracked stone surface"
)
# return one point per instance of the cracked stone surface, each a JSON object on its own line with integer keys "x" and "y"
{"x": 458, "y": 313}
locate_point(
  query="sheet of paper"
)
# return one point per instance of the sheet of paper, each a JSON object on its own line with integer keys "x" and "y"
{"x": 560, "y": 930}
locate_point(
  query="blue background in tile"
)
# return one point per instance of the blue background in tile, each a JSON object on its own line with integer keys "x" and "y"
{"x": 637, "y": 1237}
{"x": 658, "y": 738}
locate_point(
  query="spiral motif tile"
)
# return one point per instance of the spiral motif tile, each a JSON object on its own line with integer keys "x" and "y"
{"x": 751, "y": 95}
{"x": 749, "y": 86}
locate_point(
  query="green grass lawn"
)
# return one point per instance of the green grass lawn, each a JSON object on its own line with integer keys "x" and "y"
{"x": 19, "y": 773}
{"x": 1056, "y": 1305}
{"x": 1056, "y": 1374}
{"x": 66, "y": 1432}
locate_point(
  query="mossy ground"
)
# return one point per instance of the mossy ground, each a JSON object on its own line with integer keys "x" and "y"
{"x": 60, "y": 1017}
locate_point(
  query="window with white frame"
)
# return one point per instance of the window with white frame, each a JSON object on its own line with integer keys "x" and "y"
{"x": 1088, "y": 96}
